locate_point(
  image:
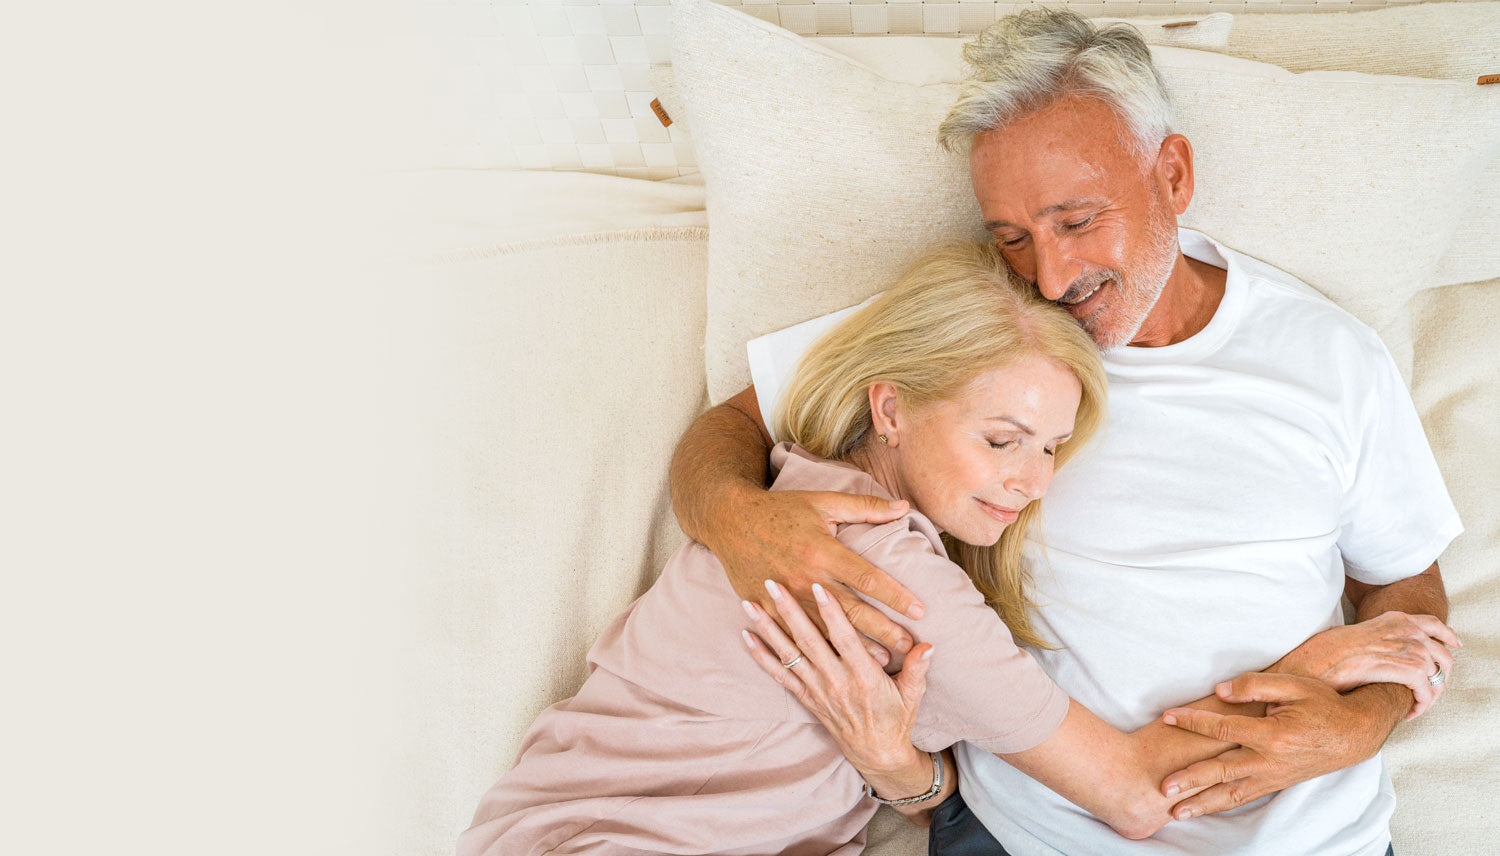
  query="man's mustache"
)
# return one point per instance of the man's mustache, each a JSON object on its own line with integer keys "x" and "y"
{"x": 1087, "y": 283}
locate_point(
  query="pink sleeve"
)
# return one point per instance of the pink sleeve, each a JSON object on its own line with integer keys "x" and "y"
{"x": 981, "y": 687}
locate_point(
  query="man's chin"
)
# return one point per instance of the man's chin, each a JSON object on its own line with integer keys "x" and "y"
{"x": 1106, "y": 333}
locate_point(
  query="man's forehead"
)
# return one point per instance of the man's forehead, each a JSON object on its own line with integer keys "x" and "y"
{"x": 1063, "y": 156}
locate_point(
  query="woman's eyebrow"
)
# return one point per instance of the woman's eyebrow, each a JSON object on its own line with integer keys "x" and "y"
{"x": 1016, "y": 422}
{"x": 1027, "y": 428}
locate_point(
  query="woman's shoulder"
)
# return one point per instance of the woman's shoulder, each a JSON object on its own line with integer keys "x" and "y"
{"x": 795, "y": 468}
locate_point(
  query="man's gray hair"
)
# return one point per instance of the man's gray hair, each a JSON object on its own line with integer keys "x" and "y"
{"x": 1027, "y": 61}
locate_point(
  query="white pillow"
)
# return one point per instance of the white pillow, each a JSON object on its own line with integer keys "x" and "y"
{"x": 824, "y": 178}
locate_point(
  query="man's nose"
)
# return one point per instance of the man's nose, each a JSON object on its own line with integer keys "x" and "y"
{"x": 1052, "y": 275}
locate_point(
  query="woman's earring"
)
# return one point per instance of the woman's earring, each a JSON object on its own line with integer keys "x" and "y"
{"x": 883, "y": 439}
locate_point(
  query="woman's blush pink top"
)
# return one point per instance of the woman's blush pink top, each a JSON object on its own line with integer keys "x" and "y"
{"x": 678, "y": 743}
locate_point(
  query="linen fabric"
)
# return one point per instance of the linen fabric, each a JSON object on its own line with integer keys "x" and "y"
{"x": 824, "y": 178}
{"x": 555, "y": 376}
{"x": 1454, "y": 41}
{"x": 1207, "y": 531}
{"x": 677, "y": 742}
{"x": 920, "y": 60}
{"x": 1444, "y": 763}
{"x": 1445, "y": 40}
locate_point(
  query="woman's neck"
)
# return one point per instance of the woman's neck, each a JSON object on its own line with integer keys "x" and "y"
{"x": 879, "y": 461}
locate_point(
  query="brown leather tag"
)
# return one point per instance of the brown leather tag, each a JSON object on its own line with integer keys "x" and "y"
{"x": 1172, "y": 24}
{"x": 661, "y": 113}
{"x": 1489, "y": 78}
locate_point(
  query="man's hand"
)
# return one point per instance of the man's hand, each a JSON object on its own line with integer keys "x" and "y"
{"x": 719, "y": 496}
{"x": 1309, "y": 730}
{"x": 1392, "y": 648}
{"x": 787, "y": 536}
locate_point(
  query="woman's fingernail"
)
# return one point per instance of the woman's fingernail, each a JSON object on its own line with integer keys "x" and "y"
{"x": 818, "y": 594}
{"x": 1184, "y": 814}
{"x": 1224, "y": 688}
{"x": 749, "y": 609}
{"x": 1172, "y": 790}
{"x": 916, "y": 611}
{"x": 774, "y": 590}
{"x": 903, "y": 645}
{"x": 749, "y": 643}
{"x": 927, "y": 655}
{"x": 1169, "y": 719}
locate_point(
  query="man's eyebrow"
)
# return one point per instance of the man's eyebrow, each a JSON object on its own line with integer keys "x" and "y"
{"x": 1070, "y": 205}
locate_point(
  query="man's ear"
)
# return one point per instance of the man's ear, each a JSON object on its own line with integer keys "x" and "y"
{"x": 1174, "y": 172}
{"x": 885, "y": 411}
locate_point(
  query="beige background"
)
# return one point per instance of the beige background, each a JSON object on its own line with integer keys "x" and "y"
{"x": 218, "y": 453}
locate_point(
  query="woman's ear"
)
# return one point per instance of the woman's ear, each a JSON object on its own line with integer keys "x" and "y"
{"x": 885, "y": 412}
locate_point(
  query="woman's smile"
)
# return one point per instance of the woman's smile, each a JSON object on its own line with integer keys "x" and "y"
{"x": 1004, "y": 515}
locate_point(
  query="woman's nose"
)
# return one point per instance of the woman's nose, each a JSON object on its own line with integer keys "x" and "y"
{"x": 1035, "y": 475}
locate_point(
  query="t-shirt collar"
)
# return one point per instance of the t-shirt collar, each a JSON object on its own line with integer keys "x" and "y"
{"x": 1200, "y": 247}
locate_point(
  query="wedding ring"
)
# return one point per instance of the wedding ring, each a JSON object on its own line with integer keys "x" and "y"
{"x": 798, "y": 659}
{"x": 1436, "y": 678}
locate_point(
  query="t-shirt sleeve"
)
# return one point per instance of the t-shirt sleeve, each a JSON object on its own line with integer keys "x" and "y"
{"x": 1397, "y": 517}
{"x": 981, "y": 687}
{"x": 774, "y": 358}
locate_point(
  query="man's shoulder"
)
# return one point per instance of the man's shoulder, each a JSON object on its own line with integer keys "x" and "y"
{"x": 1280, "y": 304}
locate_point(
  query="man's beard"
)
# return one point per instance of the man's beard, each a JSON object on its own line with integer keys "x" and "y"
{"x": 1123, "y": 310}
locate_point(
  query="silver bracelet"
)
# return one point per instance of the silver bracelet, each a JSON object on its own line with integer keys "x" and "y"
{"x": 937, "y": 785}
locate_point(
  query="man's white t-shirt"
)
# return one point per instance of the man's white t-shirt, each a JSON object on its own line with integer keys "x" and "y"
{"x": 1206, "y": 532}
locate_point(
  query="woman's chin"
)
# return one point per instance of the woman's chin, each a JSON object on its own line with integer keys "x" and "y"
{"x": 982, "y": 537}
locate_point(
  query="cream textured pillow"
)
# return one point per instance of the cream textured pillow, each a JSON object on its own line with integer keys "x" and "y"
{"x": 824, "y": 178}
{"x": 932, "y": 58}
{"x": 1456, "y": 41}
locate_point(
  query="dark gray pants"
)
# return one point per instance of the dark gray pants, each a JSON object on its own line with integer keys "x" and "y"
{"x": 955, "y": 831}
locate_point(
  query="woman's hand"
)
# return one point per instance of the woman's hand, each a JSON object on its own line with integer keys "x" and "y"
{"x": 868, "y": 714}
{"x": 1394, "y": 648}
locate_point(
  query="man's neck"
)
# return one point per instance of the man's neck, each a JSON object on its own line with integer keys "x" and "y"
{"x": 1187, "y": 303}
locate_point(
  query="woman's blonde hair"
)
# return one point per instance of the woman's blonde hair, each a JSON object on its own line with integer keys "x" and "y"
{"x": 957, "y": 312}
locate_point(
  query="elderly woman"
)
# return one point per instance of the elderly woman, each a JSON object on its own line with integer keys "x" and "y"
{"x": 958, "y": 391}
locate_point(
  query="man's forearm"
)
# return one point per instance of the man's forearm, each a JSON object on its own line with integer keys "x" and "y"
{"x": 1422, "y": 594}
{"x": 722, "y": 450}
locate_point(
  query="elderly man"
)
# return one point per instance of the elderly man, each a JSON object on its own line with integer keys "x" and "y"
{"x": 1263, "y": 459}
